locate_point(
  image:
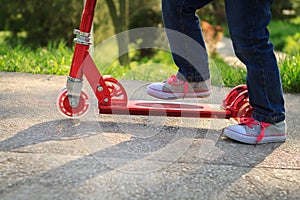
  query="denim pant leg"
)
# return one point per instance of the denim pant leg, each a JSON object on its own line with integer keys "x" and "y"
{"x": 248, "y": 21}
{"x": 185, "y": 38}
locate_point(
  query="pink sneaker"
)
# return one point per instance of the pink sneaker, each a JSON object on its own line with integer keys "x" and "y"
{"x": 173, "y": 88}
{"x": 251, "y": 131}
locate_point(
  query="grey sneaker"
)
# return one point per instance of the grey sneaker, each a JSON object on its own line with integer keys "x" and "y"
{"x": 251, "y": 131}
{"x": 173, "y": 88}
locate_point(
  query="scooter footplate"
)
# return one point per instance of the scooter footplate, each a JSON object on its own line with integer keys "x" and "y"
{"x": 170, "y": 109}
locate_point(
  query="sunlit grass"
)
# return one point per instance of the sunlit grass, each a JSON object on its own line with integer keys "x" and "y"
{"x": 56, "y": 59}
{"x": 290, "y": 73}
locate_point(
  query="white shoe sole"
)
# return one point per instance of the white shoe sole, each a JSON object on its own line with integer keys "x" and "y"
{"x": 179, "y": 95}
{"x": 235, "y": 135}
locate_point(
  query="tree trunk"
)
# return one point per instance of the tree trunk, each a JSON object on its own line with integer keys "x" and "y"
{"x": 120, "y": 22}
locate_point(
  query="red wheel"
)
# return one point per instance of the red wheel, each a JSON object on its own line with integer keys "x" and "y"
{"x": 68, "y": 111}
{"x": 118, "y": 94}
{"x": 237, "y": 101}
{"x": 233, "y": 94}
{"x": 245, "y": 110}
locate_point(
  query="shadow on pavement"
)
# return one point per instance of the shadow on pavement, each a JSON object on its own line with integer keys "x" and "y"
{"x": 142, "y": 160}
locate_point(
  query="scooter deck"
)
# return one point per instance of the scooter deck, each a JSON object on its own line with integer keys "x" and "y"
{"x": 170, "y": 109}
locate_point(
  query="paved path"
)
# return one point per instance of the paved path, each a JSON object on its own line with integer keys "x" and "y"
{"x": 45, "y": 156}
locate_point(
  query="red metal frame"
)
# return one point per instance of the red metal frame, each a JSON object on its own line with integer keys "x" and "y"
{"x": 112, "y": 97}
{"x": 81, "y": 51}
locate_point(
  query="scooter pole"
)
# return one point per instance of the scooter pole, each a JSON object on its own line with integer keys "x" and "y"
{"x": 83, "y": 39}
{"x": 83, "y": 42}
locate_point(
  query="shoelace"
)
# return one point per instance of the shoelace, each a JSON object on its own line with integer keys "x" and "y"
{"x": 250, "y": 122}
{"x": 173, "y": 80}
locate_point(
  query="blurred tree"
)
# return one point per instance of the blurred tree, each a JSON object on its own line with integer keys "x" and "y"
{"x": 3, "y": 13}
{"x": 149, "y": 15}
{"x": 279, "y": 7}
{"x": 42, "y": 20}
{"x": 296, "y": 8}
{"x": 103, "y": 27}
{"x": 45, "y": 21}
{"x": 119, "y": 13}
{"x": 214, "y": 13}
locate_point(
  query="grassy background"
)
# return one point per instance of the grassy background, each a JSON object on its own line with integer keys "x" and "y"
{"x": 56, "y": 59}
{"x": 285, "y": 35}
{"x": 53, "y": 59}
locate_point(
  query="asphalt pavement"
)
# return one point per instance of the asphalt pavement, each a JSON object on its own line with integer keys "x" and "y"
{"x": 44, "y": 155}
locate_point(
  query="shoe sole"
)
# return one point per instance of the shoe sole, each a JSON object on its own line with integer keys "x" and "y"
{"x": 234, "y": 135}
{"x": 171, "y": 95}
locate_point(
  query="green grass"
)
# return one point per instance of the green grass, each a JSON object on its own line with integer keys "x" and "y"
{"x": 222, "y": 73}
{"x": 157, "y": 68}
{"x": 290, "y": 73}
{"x": 54, "y": 59}
{"x": 161, "y": 66}
{"x": 280, "y": 31}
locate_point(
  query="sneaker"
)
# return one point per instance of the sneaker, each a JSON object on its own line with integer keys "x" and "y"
{"x": 173, "y": 88}
{"x": 251, "y": 131}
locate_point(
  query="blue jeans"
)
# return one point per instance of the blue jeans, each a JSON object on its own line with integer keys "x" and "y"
{"x": 247, "y": 22}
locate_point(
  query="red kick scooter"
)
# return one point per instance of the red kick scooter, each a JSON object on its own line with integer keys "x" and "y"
{"x": 112, "y": 97}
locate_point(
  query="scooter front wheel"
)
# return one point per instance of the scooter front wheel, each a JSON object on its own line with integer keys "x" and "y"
{"x": 67, "y": 110}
